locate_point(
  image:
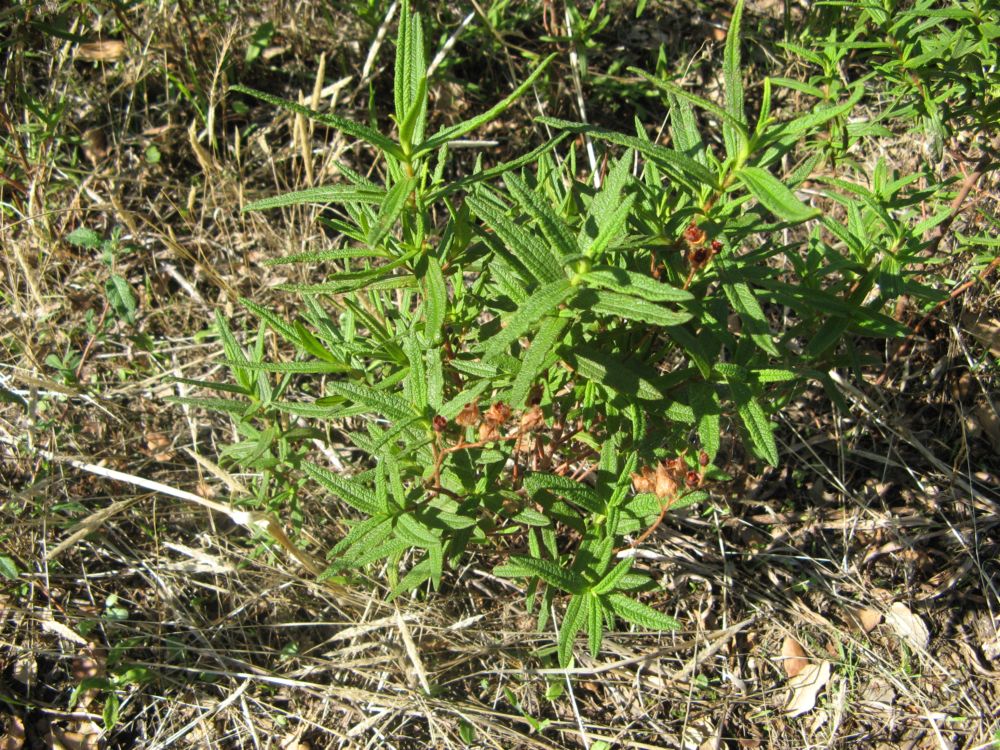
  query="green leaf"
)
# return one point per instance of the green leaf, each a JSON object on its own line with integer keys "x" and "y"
{"x": 84, "y": 237}
{"x": 534, "y": 361}
{"x": 817, "y": 117}
{"x": 415, "y": 532}
{"x": 734, "y": 137}
{"x": 774, "y": 196}
{"x": 745, "y": 303}
{"x": 694, "y": 174}
{"x": 392, "y": 207}
{"x": 227, "y": 405}
{"x": 350, "y": 491}
{"x": 640, "y": 614}
{"x": 353, "y": 129}
{"x": 672, "y": 88}
{"x": 121, "y": 298}
{"x": 322, "y": 195}
{"x": 8, "y": 568}
{"x": 577, "y": 492}
{"x": 295, "y": 367}
{"x": 541, "y": 303}
{"x": 636, "y": 284}
{"x": 602, "y": 368}
{"x": 632, "y": 308}
{"x": 707, "y": 412}
{"x": 595, "y": 625}
{"x": 435, "y": 301}
{"x": 533, "y": 254}
{"x": 454, "y": 132}
{"x": 410, "y": 79}
{"x": 553, "y": 227}
{"x": 755, "y": 420}
{"x": 386, "y": 404}
{"x": 611, "y": 580}
{"x": 416, "y": 381}
{"x": 548, "y": 571}
{"x": 576, "y": 616}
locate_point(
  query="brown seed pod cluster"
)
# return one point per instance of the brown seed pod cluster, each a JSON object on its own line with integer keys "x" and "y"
{"x": 496, "y": 416}
{"x": 666, "y": 479}
{"x": 698, "y": 253}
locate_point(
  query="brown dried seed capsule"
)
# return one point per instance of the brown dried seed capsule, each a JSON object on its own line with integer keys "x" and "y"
{"x": 468, "y": 416}
{"x": 698, "y": 256}
{"x": 694, "y": 234}
{"x": 716, "y": 246}
{"x": 440, "y": 423}
{"x": 532, "y": 419}
{"x": 644, "y": 481}
{"x": 703, "y": 458}
{"x": 692, "y": 479}
{"x": 488, "y": 431}
{"x": 498, "y": 413}
{"x": 666, "y": 485}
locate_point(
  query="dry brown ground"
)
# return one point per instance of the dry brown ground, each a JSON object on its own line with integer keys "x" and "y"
{"x": 868, "y": 562}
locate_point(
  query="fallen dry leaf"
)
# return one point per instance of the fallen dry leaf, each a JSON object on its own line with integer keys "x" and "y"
{"x": 908, "y": 626}
{"x": 987, "y": 330}
{"x": 102, "y": 50}
{"x": 987, "y": 420}
{"x": 868, "y": 618}
{"x": 793, "y": 656}
{"x": 804, "y": 688}
{"x": 25, "y": 669}
{"x": 13, "y": 739}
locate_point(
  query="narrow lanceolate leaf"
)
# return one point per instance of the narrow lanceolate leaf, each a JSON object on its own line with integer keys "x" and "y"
{"x": 577, "y": 492}
{"x": 755, "y": 421}
{"x": 636, "y": 284}
{"x": 353, "y": 129}
{"x": 410, "y": 65}
{"x": 548, "y": 571}
{"x": 395, "y": 201}
{"x": 534, "y": 361}
{"x": 553, "y": 227}
{"x": 672, "y": 88}
{"x": 358, "y": 497}
{"x": 708, "y": 413}
{"x": 612, "y": 228}
{"x": 595, "y": 625}
{"x": 529, "y": 250}
{"x": 774, "y": 196}
{"x": 608, "y": 371}
{"x": 416, "y": 381}
{"x": 315, "y": 366}
{"x": 606, "y": 204}
{"x": 681, "y": 165}
{"x": 323, "y": 194}
{"x": 806, "y": 123}
{"x": 614, "y": 577}
{"x": 576, "y": 616}
{"x": 435, "y": 301}
{"x": 410, "y": 79}
{"x": 746, "y": 304}
{"x": 457, "y": 131}
{"x": 636, "y": 308}
{"x": 639, "y": 614}
{"x": 386, "y": 404}
{"x": 735, "y": 138}
{"x": 541, "y": 303}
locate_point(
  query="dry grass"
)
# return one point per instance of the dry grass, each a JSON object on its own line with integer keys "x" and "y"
{"x": 893, "y": 499}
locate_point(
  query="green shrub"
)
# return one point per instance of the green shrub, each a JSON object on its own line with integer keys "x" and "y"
{"x": 540, "y": 364}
